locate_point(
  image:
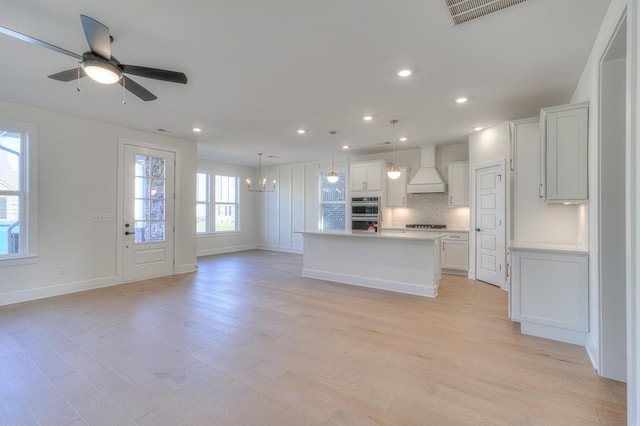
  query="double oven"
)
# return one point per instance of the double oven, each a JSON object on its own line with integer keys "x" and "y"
{"x": 365, "y": 213}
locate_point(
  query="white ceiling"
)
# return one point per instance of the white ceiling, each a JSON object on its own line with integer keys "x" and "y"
{"x": 259, "y": 70}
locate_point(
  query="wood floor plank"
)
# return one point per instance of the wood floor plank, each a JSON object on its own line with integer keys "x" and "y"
{"x": 247, "y": 340}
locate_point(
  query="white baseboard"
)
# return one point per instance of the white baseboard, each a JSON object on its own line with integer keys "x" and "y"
{"x": 278, "y": 248}
{"x": 56, "y": 290}
{"x": 554, "y": 333}
{"x": 594, "y": 354}
{"x": 183, "y": 269}
{"x": 227, "y": 249}
{"x": 399, "y": 287}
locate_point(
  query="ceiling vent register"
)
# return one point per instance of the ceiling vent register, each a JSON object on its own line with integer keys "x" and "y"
{"x": 468, "y": 10}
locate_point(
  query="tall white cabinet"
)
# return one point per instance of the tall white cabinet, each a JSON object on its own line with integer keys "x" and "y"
{"x": 459, "y": 184}
{"x": 397, "y": 189}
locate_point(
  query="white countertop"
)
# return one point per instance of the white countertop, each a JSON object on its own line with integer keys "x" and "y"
{"x": 404, "y": 229}
{"x": 385, "y": 234}
{"x": 564, "y": 248}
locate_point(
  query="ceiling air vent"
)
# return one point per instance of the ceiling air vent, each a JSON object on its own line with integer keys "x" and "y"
{"x": 468, "y": 10}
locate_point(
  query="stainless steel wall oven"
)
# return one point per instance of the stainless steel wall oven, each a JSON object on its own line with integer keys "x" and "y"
{"x": 365, "y": 213}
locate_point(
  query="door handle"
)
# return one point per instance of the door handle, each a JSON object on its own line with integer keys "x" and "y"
{"x": 477, "y": 229}
{"x": 129, "y": 233}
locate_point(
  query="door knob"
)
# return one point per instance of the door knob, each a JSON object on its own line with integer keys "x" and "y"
{"x": 477, "y": 229}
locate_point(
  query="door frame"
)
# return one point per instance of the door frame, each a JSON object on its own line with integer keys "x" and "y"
{"x": 122, "y": 142}
{"x": 502, "y": 163}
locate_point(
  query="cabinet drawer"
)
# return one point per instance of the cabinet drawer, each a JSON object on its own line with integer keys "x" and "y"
{"x": 457, "y": 236}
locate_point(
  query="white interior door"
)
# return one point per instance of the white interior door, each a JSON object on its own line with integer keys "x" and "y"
{"x": 490, "y": 225}
{"x": 148, "y": 213}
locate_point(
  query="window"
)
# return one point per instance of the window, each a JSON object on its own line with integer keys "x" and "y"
{"x": 226, "y": 203}
{"x": 223, "y": 210}
{"x": 332, "y": 203}
{"x": 202, "y": 202}
{"x": 17, "y": 192}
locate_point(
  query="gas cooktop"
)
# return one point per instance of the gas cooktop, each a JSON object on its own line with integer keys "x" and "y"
{"x": 425, "y": 226}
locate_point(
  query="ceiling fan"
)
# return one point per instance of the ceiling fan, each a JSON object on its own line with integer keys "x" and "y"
{"x": 98, "y": 63}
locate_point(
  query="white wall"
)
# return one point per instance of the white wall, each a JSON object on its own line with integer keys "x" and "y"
{"x": 77, "y": 177}
{"x": 246, "y": 238}
{"x": 588, "y": 90}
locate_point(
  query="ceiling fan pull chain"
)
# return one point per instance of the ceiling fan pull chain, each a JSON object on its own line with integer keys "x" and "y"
{"x": 78, "y": 79}
{"x": 124, "y": 93}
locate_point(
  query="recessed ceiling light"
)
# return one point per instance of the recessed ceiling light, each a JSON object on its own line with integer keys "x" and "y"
{"x": 477, "y": 129}
{"x": 462, "y": 100}
{"x": 404, "y": 73}
{"x": 367, "y": 118}
{"x": 403, "y": 139}
{"x": 197, "y": 129}
{"x": 346, "y": 146}
{"x": 302, "y": 131}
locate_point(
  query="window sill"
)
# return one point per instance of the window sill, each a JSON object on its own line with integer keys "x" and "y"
{"x": 16, "y": 261}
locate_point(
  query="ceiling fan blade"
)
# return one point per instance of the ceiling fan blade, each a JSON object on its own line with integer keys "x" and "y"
{"x": 155, "y": 73}
{"x": 97, "y": 36}
{"x": 68, "y": 75}
{"x": 32, "y": 40}
{"x": 136, "y": 89}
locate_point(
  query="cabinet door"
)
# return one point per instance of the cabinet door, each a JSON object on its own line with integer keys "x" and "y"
{"x": 358, "y": 177}
{"x": 455, "y": 255}
{"x": 566, "y": 132}
{"x": 397, "y": 190}
{"x": 374, "y": 177}
{"x": 459, "y": 184}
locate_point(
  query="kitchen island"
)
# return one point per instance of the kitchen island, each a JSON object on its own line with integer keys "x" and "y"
{"x": 406, "y": 262}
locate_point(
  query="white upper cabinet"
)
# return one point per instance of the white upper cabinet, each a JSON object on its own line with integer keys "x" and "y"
{"x": 458, "y": 184}
{"x": 366, "y": 176}
{"x": 565, "y": 131}
{"x": 397, "y": 189}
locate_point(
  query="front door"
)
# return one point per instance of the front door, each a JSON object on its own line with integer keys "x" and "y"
{"x": 148, "y": 213}
{"x": 490, "y": 229}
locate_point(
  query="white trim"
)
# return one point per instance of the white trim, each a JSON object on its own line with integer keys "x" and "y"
{"x": 56, "y": 290}
{"x": 633, "y": 213}
{"x": 183, "y": 269}
{"x": 278, "y": 248}
{"x": 554, "y": 333}
{"x": 226, "y": 249}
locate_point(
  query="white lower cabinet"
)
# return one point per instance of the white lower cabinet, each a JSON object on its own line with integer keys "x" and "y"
{"x": 455, "y": 253}
{"x": 549, "y": 294}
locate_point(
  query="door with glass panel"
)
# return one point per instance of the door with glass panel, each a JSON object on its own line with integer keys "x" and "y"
{"x": 148, "y": 213}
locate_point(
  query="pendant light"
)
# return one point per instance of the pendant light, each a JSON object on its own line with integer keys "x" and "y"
{"x": 332, "y": 177}
{"x": 262, "y": 182}
{"x": 394, "y": 171}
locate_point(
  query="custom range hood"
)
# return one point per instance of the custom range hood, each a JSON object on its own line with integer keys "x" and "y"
{"x": 428, "y": 179}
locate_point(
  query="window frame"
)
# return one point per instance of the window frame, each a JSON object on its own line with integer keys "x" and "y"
{"x": 322, "y": 178}
{"x": 206, "y": 203}
{"x": 28, "y": 193}
{"x": 235, "y": 204}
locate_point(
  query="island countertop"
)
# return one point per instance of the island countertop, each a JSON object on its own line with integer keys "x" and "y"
{"x": 385, "y": 234}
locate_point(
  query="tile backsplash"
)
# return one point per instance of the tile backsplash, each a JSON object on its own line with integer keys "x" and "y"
{"x": 431, "y": 208}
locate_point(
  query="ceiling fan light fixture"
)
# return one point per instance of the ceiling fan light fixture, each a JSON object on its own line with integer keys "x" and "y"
{"x": 102, "y": 72}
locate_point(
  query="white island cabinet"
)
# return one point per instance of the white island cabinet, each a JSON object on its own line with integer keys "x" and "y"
{"x": 395, "y": 261}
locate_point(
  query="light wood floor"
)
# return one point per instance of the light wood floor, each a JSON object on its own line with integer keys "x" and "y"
{"x": 247, "y": 341}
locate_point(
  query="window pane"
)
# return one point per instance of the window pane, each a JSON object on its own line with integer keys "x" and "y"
{"x": 333, "y": 191}
{"x": 225, "y": 217}
{"x": 142, "y": 189}
{"x": 225, "y": 189}
{"x": 157, "y": 188}
{"x": 9, "y": 161}
{"x": 201, "y": 218}
{"x": 333, "y": 216}
{"x": 142, "y": 165}
{"x": 157, "y": 167}
{"x": 157, "y": 231}
{"x": 157, "y": 210}
{"x": 9, "y": 224}
{"x": 143, "y": 233}
{"x": 142, "y": 210}
{"x": 201, "y": 187}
